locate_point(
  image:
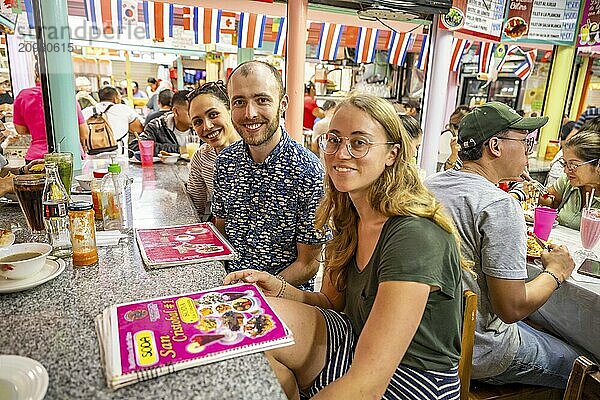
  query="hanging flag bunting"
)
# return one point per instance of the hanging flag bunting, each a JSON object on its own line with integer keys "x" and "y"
{"x": 250, "y": 30}
{"x": 207, "y": 25}
{"x": 486, "y": 52}
{"x": 459, "y": 46}
{"x": 399, "y": 46}
{"x": 228, "y": 22}
{"x": 280, "y": 42}
{"x": 504, "y": 51}
{"x": 169, "y": 19}
{"x": 366, "y": 44}
{"x": 29, "y": 10}
{"x": 525, "y": 69}
{"x": 188, "y": 18}
{"x": 116, "y": 10}
{"x": 423, "y": 53}
{"x": 329, "y": 41}
{"x": 93, "y": 14}
{"x": 129, "y": 13}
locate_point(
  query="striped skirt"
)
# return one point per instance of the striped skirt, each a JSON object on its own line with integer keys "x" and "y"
{"x": 406, "y": 383}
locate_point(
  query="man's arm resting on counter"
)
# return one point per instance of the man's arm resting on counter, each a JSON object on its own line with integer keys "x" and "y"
{"x": 306, "y": 265}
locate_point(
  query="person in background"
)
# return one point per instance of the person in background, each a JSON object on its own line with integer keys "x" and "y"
{"x": 415, "y": 133}
{"x": 494, "y": 147}
{"x": 448, "y": 150}
{"x": 170, "y": 131}
{"x": 122, "y": 118}
{"x": 165, "y": 102}
{"x": 267, "y": 186}
{"x": 84, "y": 95}
{"x": 556, "y": 168}
{"x": 393, "y": 262}
{"x": 311, "y": 109}
{"x": 320, "y": 127}
{"x": 211, "y": 119}
{"x": 151, "y": 87}
{"x": 137, "y": 93}
{"x": 413, "y": 108}
{"x": 581, "y": 163}
{"x": 589, "y": 114}
{"x": 6, "y": 100}
{"x": 152, "y": 104}
{"x": 28, "y": 119}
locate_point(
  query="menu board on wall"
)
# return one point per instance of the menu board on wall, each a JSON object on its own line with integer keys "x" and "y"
{"x": 589, "y": 30}
{"x": 481, "y": 18}
{"x": 541, "y": 21}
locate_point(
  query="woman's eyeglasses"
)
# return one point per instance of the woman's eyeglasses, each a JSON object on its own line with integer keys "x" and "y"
{"x": 208, "y": 88}
{"x": 357, "y": 146}
{"x": 570, "y": 167}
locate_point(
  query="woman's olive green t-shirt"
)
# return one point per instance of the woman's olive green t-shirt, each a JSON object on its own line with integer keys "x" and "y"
{"x": 416, "y": 250}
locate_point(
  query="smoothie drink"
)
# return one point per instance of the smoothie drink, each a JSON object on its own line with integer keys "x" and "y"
{"x": 64, "y": 162}
{"x": 590, "y": 228}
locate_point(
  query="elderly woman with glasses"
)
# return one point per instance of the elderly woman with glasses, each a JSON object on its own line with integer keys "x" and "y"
{"x": 391, "y": 293}
{"x": 570, "y": 193}
{"x": 211, "y": 120}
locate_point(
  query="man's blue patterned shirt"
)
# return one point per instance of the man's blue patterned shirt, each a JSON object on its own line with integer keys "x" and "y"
{"x": 269, "y": 207}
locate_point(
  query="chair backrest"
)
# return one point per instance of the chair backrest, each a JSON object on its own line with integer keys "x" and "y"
{"x": 465, "y": 364}
{"x": 584, "y": 381}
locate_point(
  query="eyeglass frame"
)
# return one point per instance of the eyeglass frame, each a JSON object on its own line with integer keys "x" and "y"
{"x": 529, "y": 142}
{"x": 323, "y": 144}
{"x": 204, "y": 90}
{"x": 565, "y": 164}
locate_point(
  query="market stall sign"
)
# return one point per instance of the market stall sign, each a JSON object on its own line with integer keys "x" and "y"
{"x": 589, "y": 30}
{"x": 541, "y": 21}
{"x": 480, "y": 18}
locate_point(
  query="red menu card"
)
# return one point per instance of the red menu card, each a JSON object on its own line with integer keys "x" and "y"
{"x": 183, "y": 244}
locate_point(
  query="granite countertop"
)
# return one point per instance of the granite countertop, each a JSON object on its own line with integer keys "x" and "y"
{"x": 54, "y": 322}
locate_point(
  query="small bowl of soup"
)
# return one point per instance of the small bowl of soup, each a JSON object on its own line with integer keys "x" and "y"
{"x": 23, "y": 260}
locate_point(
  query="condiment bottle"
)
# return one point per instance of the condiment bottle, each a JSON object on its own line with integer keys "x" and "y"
{"x": 551, "y": 149}
{"x": 54, "y": 202}
{"x": 96, "y": 187}
{"x": 116, "y": 200}
{"x": 83, "y": 233}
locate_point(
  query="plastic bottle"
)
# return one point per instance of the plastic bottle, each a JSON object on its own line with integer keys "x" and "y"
{"x": 96, "y": 187}
{"x": 116, "y": 200}
{"x": 55, "y": 201}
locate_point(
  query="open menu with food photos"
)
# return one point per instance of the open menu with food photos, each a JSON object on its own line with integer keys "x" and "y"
{"x": 146, "y": 339}
{"x": 183, "y": 244}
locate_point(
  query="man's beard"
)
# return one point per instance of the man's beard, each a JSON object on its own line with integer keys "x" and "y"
{"x": 271, "y": 128}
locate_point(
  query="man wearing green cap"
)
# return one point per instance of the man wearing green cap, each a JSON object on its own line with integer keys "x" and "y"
{"x": 495, "y": 142}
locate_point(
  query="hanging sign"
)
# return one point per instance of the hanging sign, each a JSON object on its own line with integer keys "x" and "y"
{"x": 541, "y": 21}
{"x": 589, "y": 30}
{"x": 480, "y": 18}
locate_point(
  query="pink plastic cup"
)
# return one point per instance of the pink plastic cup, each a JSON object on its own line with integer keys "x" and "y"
{"x": 543, "y": 219}
{"x": 146, "y": 152}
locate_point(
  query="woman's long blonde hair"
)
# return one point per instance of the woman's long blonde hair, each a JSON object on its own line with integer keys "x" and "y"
{"x": 397, "y": 191}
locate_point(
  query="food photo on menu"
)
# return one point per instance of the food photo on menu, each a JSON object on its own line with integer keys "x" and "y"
{"x": 146, "y": 339}
{"x": 183, "y": 244}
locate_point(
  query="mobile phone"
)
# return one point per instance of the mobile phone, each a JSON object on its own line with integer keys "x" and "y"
{"x": 590, "y": 267}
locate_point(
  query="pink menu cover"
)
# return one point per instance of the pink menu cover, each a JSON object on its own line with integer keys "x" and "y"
{"x": 197, "y": 328}
{"x": 183, "y": 244}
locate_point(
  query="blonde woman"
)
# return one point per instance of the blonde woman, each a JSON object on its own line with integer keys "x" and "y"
{"x": 386, "y": 323}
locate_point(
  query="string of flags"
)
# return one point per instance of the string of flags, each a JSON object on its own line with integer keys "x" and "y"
{"x": 459, "y": 48}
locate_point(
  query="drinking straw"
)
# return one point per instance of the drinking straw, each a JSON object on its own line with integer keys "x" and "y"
{"x": 58, "y": 145}
{"x": 591, "y": 198}
{"x": 587, "y": 200}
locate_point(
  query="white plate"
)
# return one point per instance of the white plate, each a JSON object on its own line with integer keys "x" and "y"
{"x": 7, "y": 239}
{"x": 50, "y": 270}
{"x": 134, "y": 160}
{"x": 22, "y": 378}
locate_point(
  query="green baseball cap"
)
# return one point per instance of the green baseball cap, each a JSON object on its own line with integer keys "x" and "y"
{"x": 491, "y": 118}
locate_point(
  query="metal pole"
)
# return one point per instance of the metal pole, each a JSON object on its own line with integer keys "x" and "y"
{"x": 297, "y": 11}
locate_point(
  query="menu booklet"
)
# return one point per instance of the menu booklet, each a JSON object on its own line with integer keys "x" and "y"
{"x": 146, "y": 339}
{"x": 183, "y": 244}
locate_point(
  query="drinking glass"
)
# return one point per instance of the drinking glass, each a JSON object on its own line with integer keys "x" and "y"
{"x": 193, "y": 143}
{"x": 589, "y": 230}
{"x": 64, "y": 162}
{"x": 146, "y": 152}
{"x": 29, "y": 189}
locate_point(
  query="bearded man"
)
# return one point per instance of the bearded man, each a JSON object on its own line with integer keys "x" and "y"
{"x": 267, "y": 186}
